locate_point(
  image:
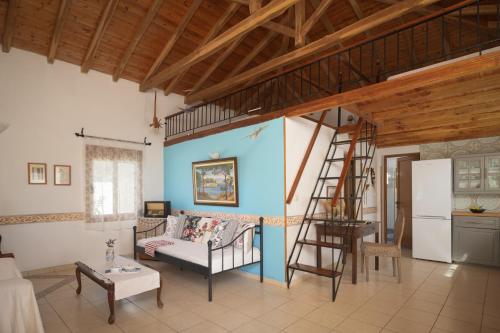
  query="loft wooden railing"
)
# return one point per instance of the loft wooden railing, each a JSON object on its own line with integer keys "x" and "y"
{"x": 446, "y": 34}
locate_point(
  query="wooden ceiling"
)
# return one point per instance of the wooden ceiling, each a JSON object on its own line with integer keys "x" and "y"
{"x": 133, "y": 38}
{"x": 455, "y": 101}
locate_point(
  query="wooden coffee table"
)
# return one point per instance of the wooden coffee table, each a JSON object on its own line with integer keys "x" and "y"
{"x": 120, "y": 285}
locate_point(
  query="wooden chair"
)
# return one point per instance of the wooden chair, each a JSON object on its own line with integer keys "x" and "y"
{"x": 386, "y": 250}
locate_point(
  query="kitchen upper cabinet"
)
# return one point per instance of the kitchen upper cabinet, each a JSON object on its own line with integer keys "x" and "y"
{"x": 492, "y": 173}
{"x": 477, "y": 174}
{"x": 468, "y": 174}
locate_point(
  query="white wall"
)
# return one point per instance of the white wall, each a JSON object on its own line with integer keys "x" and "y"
{"x": 298, "y": 133}
{"x": 43, "y": 106}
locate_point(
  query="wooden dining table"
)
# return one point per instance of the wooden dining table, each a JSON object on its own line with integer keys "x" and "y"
{"x": 352, "y": 232}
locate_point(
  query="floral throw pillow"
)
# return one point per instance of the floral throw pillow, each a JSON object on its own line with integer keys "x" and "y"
{"x": 171, "y": 226}
{"x": 191, "y": 230}
{"x": 246, "y": 238}
{"x": 218, "y": 228}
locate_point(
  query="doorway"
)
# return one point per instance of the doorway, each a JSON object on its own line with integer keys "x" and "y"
{"x": 397, "y": 194}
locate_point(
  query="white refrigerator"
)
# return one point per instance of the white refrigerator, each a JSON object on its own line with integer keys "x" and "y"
{"x": 432, "y": 192}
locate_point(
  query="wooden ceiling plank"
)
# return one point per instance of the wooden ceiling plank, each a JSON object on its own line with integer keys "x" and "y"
{"x": 273, "y": 9}
{"x": 217, "y": 27}
{"x": 465, "y": 70}
{"x": 146, "y": 22}
{"x": 10, "y": 25}
{"x": 104, "y": 21}
{"x": 300, "y": 19}
{"x": 483, "y": 10}
{"x": 315, "y": 16}
{"x": 220, "y": 59}
{"x": 250, "y": 56}
{"x": 62, "y": 14}
{"x": 173, "y": 39}
{"x": 322, "y": 44}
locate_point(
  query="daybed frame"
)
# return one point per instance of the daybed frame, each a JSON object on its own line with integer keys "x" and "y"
{"x": 207, "y": 271}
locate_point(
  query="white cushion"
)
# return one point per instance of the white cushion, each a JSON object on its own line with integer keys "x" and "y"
{"x": 198, "y": 253}
{"x": 171, "y": 226}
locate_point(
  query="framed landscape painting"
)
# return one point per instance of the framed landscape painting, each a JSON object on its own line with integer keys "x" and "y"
{"x": 215, "y": 182}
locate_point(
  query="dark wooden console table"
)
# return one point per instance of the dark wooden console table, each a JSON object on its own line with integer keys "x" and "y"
{"x": 354, "y": 231}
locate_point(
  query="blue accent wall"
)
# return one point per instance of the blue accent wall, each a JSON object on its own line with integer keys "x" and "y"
{"x": 260, "y": 181}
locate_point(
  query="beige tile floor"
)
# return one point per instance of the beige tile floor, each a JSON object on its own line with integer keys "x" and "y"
{"x": 433, "y": 297}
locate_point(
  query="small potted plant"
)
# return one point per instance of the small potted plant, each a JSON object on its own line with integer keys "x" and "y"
{"x": 110, "y": 252}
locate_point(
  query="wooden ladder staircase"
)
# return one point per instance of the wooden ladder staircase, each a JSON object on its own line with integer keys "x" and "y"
{"x": 359, "y": 158}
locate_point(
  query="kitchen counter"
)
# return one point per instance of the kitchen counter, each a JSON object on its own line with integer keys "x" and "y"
{"x": 488, "y": 213}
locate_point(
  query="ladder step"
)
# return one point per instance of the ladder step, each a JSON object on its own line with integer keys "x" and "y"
{"x": 315, "y": 270}
{"x": 329, "y": 245}
{"x": 348, "y": 177}
{"x": 340, "y": 159}
{"x": 345, "y": 142}
{"x": 325, "y": 198}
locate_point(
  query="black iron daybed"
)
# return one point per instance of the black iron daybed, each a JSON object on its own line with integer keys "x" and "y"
{"x": 209, "y": 270}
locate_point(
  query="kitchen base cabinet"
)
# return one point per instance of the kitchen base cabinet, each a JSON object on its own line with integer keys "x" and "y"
{"x": 476, "y": 240}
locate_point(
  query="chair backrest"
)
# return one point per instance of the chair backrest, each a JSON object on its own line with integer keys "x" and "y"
{"x": 399, "y": 226}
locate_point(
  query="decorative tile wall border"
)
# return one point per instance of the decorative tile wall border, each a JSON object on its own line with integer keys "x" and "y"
{"x": 268, "y": 220}
{"x": 41, "y": 218}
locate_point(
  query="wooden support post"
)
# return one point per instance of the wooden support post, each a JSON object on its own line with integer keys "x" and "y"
{"x": 300, "y": 18}
{"x": 309, "y": 149}
{"x": 347, "y": 162}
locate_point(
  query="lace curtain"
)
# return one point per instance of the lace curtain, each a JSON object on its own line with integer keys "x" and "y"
{"x": 113, "y": 184}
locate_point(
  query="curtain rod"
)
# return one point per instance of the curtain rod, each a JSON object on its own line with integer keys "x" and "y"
{"x": 82, "y": 135}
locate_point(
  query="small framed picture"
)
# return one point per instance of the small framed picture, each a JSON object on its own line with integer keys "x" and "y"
{"x": 62, "y": 175}
{"x": 37, "y": 173}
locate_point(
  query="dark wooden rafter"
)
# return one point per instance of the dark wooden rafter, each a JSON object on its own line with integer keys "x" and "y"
{"x": 232, "y": 9}
{"x": 62, "y": 14}
{"x": 104, "y": 21}
{"x": 315, "y": 16}
{"x": 10, "y": 24}
{"x": 220, "y": 59}
{"x": 146, "y": 22}
{"x": 300, "y": 19}
{"x": 173, "y": 39}
{"x": 273, "y": 9}
{"x": 313, "y": 48}
{"x": 347, "y": 161}
{"x": 307, "y": 153}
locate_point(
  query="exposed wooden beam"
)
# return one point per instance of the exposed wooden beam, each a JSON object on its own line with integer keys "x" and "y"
{"x": 265, "y": 14}
{"x": 104, "y": 21}
{"x": 254, "y": 5}
{"x": 300, "y": 19}
{"x": 315, "y": 16}
{"x": 463, "y": 71}
{"x": 220, "y": 59}
{"x": 347, "y": 162}
{"x": 250, "y": 56}
{"x": 279, "y": 28}
{"x": 173, "y": 39}
{"x": 241, "y": 2}
{"x": 313, "y": 48}
{"x": 146, "y": 22}
{"x": 303, "y": 164}
{"x": 9, "y": 26}
{"x": 217, "y": 27}
{"x": 62, "y": 13}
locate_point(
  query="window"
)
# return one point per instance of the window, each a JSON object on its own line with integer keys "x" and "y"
{"x": 113, "y": 183}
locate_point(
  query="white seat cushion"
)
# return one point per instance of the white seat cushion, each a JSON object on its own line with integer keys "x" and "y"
{"x": 197, "y": 253}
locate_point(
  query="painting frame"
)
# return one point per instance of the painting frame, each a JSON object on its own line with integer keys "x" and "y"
{"x": 58, "y": 182}
{"x": 31, "y": 173}
{"x": 210, "y": 165}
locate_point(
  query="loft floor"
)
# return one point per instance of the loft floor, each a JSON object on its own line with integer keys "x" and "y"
{"x": 433, "y": 297}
